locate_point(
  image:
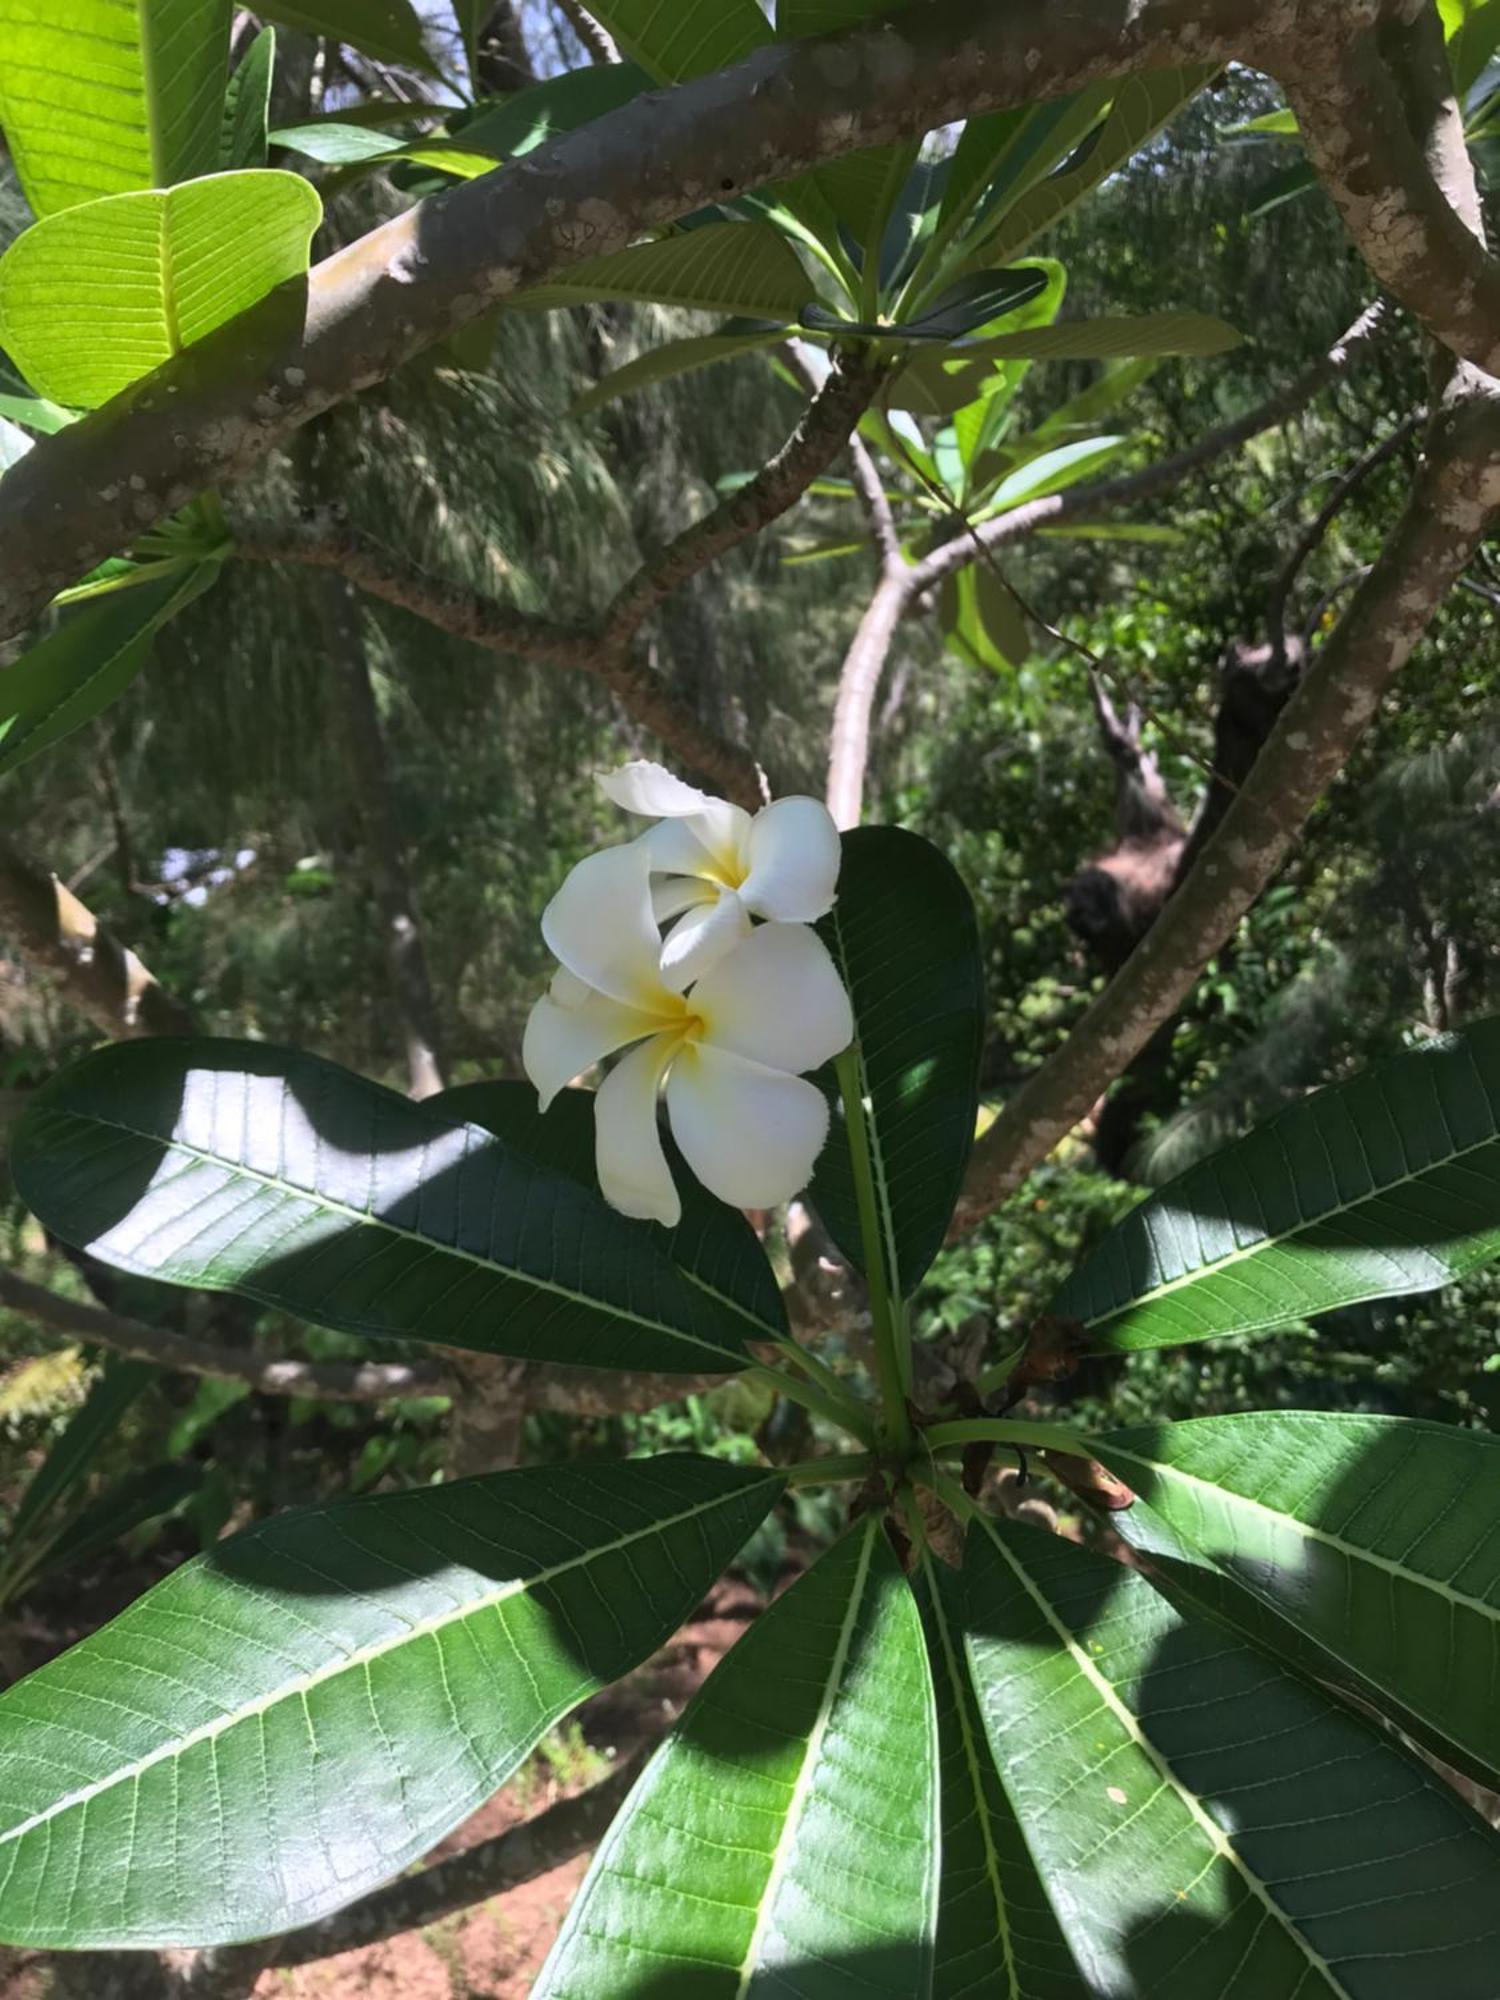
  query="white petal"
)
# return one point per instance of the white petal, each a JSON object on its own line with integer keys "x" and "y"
{"x": 562, "y": 1042}
{"x": 633, "y": 1173}
{"x": 567, "y": 989}
{"x": 675, "y": 893}
{"x": 703, "y": 937}
{"x": 778, "y": 999}
{"x": 646, "y": 788}
{"x": 750, "y": 1134}
{"x": 600, "y": 925}
{"x": 794, "y": 858}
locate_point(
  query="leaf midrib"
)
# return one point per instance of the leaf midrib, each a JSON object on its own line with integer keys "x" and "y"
{"x": 329, "y": 1206}
{"x": 797, "y": 1804}
{"x": 1265, "y": 1244}
{"x": 1352, "y": 1550}
{"x": 360, "y": 1658}
{"x": 1218, "y": 1839}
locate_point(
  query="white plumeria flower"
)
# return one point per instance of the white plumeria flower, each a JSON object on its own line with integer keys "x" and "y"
{"x": 731, "y": 1053}
{"x": 722, "y": 866}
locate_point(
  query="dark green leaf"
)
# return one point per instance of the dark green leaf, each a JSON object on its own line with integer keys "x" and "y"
{"x": 687, "y": 38}
{"x": 93, "y": 656}
{"x": 300, "y": 1712}
{"x": 976, "y": 300}
{"x": 998, "y": 1937}
{"x": 1376, "y": 1537}
{"x": 736, "y": 267}
{"x": 982, "y": 619}
{"x": 1387, "y": 1184}
{"x": 389, "y": 30}
{"x": 784, "y": 1838}
{"x": 676, "y": 357}
{"x": 904, "y": 935}
{"x": 714, "y": 1245}
{"x": 1206, "y": 1824}
{"x": 1001, "y": 154}
{"x": 129, "y": 1503}
{"x": 241, "y": 1167}
{"x": 247, "y": 106}
{"x": 559, "y": 104}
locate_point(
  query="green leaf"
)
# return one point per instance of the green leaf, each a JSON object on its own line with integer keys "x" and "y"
{"x": 296, "y": 1715}
{"x": 471, "y": 16}
{"x": 674, "y": 358}
{"x": 1278, "y": 124}
{"x": 127, "y": 1504}
{"x": 1384, "y": 1185}
{"x": 83, "y": 1438}
{"x": 735, "y": 267}
{"x": 713, "y": 1244}
{"x": 1113, "y": 386}
{"x": 95, "y": 298}
{"x": 36, "y": 413}
{"x": 1111, "y": 339}
{"x": 1375, "y": 1537}
{"x": 336, "y": 145}
{"x": 247, "y": 106}
{"x": 241, "y": 1167}
{"x": 1052, "y": 471}
{"x": 520, "y": 124}
{"x": 92, "y": 657}
{"x": 982, "y": 619}
{"x": 940, "y": 383}
{"x": 906, "y": 940}
{"x": 1206, "y": 1824}
{"x": 389, "y": 30}
{"x": 1472, "y": 29}
{"x": 687, "y": 38}
{"x": 1001, "y": 154}
{"x": 784, "y": 1838}
{"x": 101, "y": 96}
{"x": 997, "y": 1935}
{"x": 1142, "y": 105}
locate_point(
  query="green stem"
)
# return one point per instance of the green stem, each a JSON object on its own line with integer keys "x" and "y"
{"x": 1000, "y": 1430}
{"x": 844, "y": 1414}
{"x": 999, "y": 1373}
{"x": 801, "y": 1357}
{"x": 890, "y": 1369}
{"x": 950, "y": 1493}
{"x": 837, "y": 1469}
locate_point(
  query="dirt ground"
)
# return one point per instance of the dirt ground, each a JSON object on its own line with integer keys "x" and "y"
{"x": 494, "y": 1951}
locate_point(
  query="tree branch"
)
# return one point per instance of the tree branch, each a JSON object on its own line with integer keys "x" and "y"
{"x": 323, "y": 1381}
{"x": 859, "y": 678}
{"x": 98, "y": 975}
{"x": 1456, "y": 495}
{"x": 220, "y": 406}
{"x": 1406, "y": 195}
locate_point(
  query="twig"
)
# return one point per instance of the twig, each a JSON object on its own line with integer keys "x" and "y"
{"x": 597, "y": 43}
{"x": 1454, "y": 498}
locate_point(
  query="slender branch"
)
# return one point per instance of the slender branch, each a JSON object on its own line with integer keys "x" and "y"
{"x": 222, "y": 404}
{"x": 324, "y": 1381}
{"x": 98, "y": 975}
{"x": 597, "y": 43}
{"x": 868, "y": 486}
{"x": 1454, "y": 498}
{"x": 1318, "y": 527}
{"x": 859, "y": 678}
{"x": 1104, "y": 496}
{"x": 1400, "y": 191}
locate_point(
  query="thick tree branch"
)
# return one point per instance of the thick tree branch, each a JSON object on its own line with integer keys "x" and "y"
{"x": 1456, "y": 496}
{"x": 98, "y": 975}
{"x": 224, "y": 403}
{"x": 1406, "y": 193}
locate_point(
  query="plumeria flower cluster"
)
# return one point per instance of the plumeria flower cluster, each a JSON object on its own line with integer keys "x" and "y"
{"x": 660, "y": 953}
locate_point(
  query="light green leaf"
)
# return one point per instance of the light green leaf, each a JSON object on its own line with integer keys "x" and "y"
{"x": 1387, "y": 1184}
{"x": 1276, "y": 124}
{"x": 93, "y": 299}
{"x": 92, "y": 657}
{"x": 389, "y": 30}
{"x": 101, "y": 96}
{"x": 1052, "y": 471}
{"x": 36, "y": 413}
{"x": 784, "y": 1838}
{"x": 1001, "y": 154}
{"x": 336, "y": 145}
{"x": 1113, "y": 386}
{"x": 247, "y": 106}
{"x": 906, "y": 940}
{"x": 713, "y": 1244}
{"x": 237, "y": 1166}
{"x": 1116, "y": 531}
{"x": 1472, "y": 28}
{"x": 735, "y": 267}
{"x": 674, "y": 358}
{"x": 982, "y": 620}
{"x": 1142, "y": 105}
{"x": 687, "y": 38}
{"x": 1205, "y": 1823}
{"x": 1374, "y": 1537}
{"x": 998, "y": 1937}
{"x": 941, "y": 381}
{"x": 296, "y": 1715}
